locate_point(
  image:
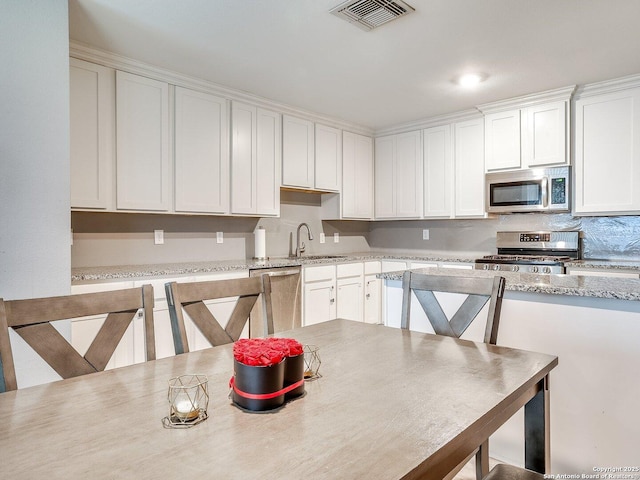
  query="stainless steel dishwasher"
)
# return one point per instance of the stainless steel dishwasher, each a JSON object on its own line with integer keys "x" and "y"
{"x": 286, "y": 300}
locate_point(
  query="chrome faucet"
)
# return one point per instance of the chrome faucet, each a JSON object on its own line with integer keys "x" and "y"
{"x": 300, "y": 246}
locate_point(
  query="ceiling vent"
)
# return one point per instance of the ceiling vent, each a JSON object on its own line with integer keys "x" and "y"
{"x": 370, "y": 14}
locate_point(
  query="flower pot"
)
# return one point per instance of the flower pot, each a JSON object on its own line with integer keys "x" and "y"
{"x": 258, "y": 380}
{"x": 294, "y": 373}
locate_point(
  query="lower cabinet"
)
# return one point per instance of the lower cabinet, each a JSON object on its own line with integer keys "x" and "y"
{"x": 349, "y": 291}
{"x": 131, "y": 348}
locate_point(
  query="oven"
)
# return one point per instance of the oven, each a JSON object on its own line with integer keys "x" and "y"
{"x": 532, "y": 252}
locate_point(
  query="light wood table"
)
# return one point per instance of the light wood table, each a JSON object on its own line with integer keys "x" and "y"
{"x": 390, "y": 404}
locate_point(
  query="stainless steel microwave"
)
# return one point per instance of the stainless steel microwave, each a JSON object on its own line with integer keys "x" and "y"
{"x": 532, "y": 190}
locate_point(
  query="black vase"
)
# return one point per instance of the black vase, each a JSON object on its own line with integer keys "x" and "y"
{"x": 293, "y": 373}
{"x": 258, "y": 380}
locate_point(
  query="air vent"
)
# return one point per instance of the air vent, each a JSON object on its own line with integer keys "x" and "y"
{"x": 370, "y": 14}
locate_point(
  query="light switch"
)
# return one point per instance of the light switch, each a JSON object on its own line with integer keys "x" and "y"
{"x": 336, "y": 237}
{"x": 219, "y": 237}
{"x": 322, "y": 239}
{"x": 425, "y": 234}
{"x": 158, "y": 237}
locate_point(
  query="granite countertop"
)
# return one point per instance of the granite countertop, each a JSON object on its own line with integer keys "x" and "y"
{"x": 605, "y": 264}
{"x": 572, "y": 285}
{"x": 119, "y": 272}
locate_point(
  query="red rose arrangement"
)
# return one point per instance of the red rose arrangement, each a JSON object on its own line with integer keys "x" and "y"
{"x": 265, "y": 351}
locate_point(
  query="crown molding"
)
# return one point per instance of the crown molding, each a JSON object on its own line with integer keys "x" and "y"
{"x": 608, "y": 86}
{"x": 556, "y": 95}
{"x": 430, "y": 122}
{"x": 119, "y": 62}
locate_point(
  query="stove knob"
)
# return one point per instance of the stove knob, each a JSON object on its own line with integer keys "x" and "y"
{"x": 515, "y": 268}
{"x": 546, "y": 270}
{"x": 485, "y": 266}
{"x": 534, "y": 269}
{"x": 496, "y": 267}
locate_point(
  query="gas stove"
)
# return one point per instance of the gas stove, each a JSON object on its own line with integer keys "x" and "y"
{"x": 532, "y": 252}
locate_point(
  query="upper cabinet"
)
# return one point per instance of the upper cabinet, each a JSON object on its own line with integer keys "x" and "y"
{"x": 201, "y": 152}
{"x": 92, "y": 117}
{"x": 142, "y": 143}
{"x": 311, "y": 155}
{"x": 528, "y": 131}
{"x": 255, "y": 160}
{"x": 398, "y": 176}
{"x": 607, "y": 152}
{"x": 357, "y": 176}
{"x": 438, "y": 172}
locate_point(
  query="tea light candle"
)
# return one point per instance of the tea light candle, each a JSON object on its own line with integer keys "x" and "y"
{"x": 185, "y": 409}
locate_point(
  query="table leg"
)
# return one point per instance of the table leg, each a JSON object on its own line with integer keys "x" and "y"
{"x": 536, "y": 430}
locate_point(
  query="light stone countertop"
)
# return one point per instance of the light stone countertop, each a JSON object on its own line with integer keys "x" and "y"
{"x": 571, "y": 285}
{"x": 605, "y": 264}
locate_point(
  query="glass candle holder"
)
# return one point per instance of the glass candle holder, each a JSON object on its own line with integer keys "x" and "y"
{"x": 311, "y": 362}
{"x": 188, "y": 398}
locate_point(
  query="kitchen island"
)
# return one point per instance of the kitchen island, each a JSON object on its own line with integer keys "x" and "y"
{"x": 593, "y": 325}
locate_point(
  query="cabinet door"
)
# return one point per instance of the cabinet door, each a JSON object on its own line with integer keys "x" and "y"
{"x": 607, "y": 160}
{"x": 372, "y": 299}
{"x": 385, "y": 177}
{"x": 544, "y": 135}
{"x": 469, "y": 168}
{"x": 297, "y": 152}
{"x": 92, "y": 113}
{"x": 328, "y": 158}
{"x": 319, "y": 302}
{"x": 349, "y": 298}
{"x": 438, "y": 172}
{"x": 142, "y": 143}
{"x": 201, "y": 153}
{"x": 502, "y": 140}
{"x": 243, "y": 158}
{"x": 268, "y": 162}
{"x": 408, "y": 181}
{"x": 357, "y": 176}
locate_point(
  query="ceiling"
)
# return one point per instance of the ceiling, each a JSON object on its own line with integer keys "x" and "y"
{"x": 297, "y": 53}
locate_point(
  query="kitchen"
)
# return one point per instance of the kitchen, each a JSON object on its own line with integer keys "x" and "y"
{"x": 40, "y": 221}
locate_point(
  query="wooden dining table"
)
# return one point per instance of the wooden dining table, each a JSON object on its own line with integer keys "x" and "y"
{"x": 390, "y": 404}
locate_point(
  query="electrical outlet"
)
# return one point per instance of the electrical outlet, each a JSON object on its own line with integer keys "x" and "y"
{"x": 336, "y": 237}
{"x": 219, "y": 237}
{"x": 425, "y": 234}
{"x": 158, "y": 237}
{"x": 322, "y": 239}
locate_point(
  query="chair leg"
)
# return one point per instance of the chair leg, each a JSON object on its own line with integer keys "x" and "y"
{"x": 482, "y": 461}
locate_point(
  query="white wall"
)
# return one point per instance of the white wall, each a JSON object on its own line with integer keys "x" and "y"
{"x": 34, "y": 155}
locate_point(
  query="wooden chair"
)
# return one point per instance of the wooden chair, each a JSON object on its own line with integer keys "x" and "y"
{"x": 31, "y": 320}
{"x": 190, "y": 298}
{"x": 479, "y": 291}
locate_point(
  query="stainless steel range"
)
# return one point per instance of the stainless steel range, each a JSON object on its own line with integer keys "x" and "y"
{"x": 532, "y": 252}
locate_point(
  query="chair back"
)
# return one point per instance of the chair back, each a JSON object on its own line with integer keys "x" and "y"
{"x": 31, "y": 319}
{"x": 189, "y": 297}
{"x": 479, "y": 291}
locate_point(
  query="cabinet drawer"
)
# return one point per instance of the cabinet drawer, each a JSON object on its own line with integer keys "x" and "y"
{"x": 349, "y": 270}
{"x": 372, "y": 267}
{"x": 316, "y": 274}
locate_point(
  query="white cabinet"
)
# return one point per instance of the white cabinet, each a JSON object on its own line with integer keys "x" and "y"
{"x": 201, "y": 152}
{"x": 398, "y": 176}
{"x": 350, "y": 291}
{"x": 357, "y": 176}
{"x": 528, "y": 131}
{"x": 142, "y": 143}
{"x": 469, "y": 168}
{"x": 607, "y": 157}
{"x": 328, "y": 158}
{"x": 92, "y": 116}
{"x": 298, "y": 149}
{"x": 372, "y": 292}
{"x": 255, "y": 161}
{"x": 502, "y": 140}
{"x": 438, "y": 172}
{"x": 319, "y": 292}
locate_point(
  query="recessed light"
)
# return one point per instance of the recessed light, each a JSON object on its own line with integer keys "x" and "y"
{"x": 470, "y": 80}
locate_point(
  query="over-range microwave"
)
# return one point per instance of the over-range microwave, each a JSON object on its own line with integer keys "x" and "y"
{"x": 531, "y": 190}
